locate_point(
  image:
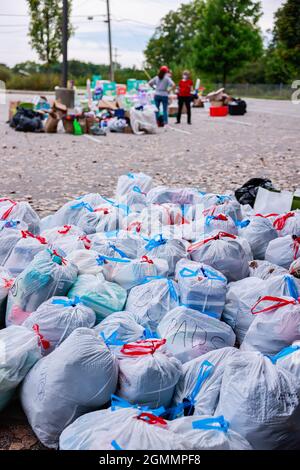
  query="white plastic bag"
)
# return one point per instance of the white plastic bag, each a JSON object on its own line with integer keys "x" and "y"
{"x": 57, "y": 318}
{"x": 152, "y": 299}
{"x": 148, "y": 373}
{"x": 127, "y": 182}
{"x": 19, "y": 350}
{"x": 220, "y": 223}
{"x": 48, "y": 274}
{"x": 143, "y": 121}
{"x": 265, "y": 270}
{"x": 275, "y": 326}
{"x": 202, "y": 289}
{"x": 208, "y": 433}
{"x": 197, "y": 392}
{"x": 261, "y": 402}
{"x": 288, "y": 224}
{"x": 77, "y": 377}
{"x": 86, "y": 261}
{"x": 121, "y": 328}
{"x": 101, "y": 296}
{"x": 259, "y": 232}
{"x": 6, "y": 282}
{"x": 289, "y": 359}
{"x": 240, "y": 298}
{"x": 22, "y": 211}
{"x": 122, "y": 429}
{"x": 181, "y": 196}
{"x": 70, "y": 212}
{"x": 271, "y": 201}
{"x": 223, "y": 252}
{"x": 24, "y": 251}
{"x": 170, "y": 250}
{"x": 129, "y": 273}
{"x": 190, "y": 334}
{"x": 283, "y": 251}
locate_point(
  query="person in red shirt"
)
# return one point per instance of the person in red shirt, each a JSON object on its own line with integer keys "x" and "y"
{"x": 185, "y": 88}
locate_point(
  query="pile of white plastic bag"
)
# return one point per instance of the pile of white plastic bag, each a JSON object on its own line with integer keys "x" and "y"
{"x": 156, "y": 319}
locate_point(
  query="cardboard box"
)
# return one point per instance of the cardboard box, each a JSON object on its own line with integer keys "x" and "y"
{"x": 13, "y": 109}
{"x": 52, "y": 123}
{"x": 216, "y": 104}
{"x": 107, "y": 105}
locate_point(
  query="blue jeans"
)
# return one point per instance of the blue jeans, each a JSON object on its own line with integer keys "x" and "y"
{"x": 164, "y": 100}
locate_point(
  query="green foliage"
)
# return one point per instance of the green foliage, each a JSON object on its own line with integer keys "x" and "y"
{"x": 227, "y": 37}
{"x": 5, "y": 73}
{"x": 171, "y": 42}
{"x": 287, "y": 38}
{"x": 45, "y": 28}
{"x": 38, "y": 82}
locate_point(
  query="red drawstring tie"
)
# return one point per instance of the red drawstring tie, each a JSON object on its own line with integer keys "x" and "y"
{"x": 42, "y": 342}
{"x": 65, "y": 230}
{"x": 63, "y": 260}
{"x": 136, "y": 225}
{"x": 105, "y": 210}
{"x": 280, "y": 303}
{"x": 8, "y": 283}
{"x": 279, "y": 223}
{"x": 210, "y": 211}
{"x": 220, "y": 217}
{"x": 142, "y": 347}
{"x": 145, "y": 259}
{"x": 152, "y": 419}
{"x": 27, "y": 234}
{"x": 8, "y": 211}
{"x": 216, "y": 237}
{"x": 86, "y": 241}
{"x": 296, "y": 246}
{"x": 266, "y": 216}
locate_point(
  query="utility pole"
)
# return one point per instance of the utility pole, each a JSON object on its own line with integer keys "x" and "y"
{"x": 65, "y": 44}
{"x": 116, "y": 55}
{"x": 111, "y": 65}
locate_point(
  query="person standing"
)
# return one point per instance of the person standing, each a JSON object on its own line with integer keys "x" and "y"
{"x": 185, "y": 97}
{"x": 162, "y": 84}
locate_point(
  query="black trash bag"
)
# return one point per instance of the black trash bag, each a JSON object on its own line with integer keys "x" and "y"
{"x": 237, "y": 108}
{"x": 26, "y": 120}
{"x": 247, "y": 193}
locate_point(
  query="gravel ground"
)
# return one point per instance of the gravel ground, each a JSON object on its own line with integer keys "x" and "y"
{"x": 212, "y": 154}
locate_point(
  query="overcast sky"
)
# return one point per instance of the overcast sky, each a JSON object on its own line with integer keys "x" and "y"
{"x": 133, "y": 24}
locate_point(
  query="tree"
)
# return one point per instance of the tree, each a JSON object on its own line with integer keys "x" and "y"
{"x": 227, "y": 37}
{"x": 171, "y": 41}
{"x": 287, "y": 36}
{"x": 45, "y": 28}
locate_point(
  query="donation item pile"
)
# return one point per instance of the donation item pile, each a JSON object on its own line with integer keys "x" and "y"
{"x": 160, "y": 318}
{"x": 107, "y": 107}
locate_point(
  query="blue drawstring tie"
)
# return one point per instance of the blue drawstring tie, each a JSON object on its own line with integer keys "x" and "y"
{"x": 115, "y": 445}
{"x": 138, "y": 190}
{"x": 155, "y": 242}
{"x": 283, "y": 353}
{"x": 292, "y": 287}
{"x": 67, "y": 303}
{"x": 172, "y": 290}
{"x": 82, "y": 205}
{"x": 102, "y": 259}
{"x": 118, "y": 402}
{"x": 117, "y": 250}
{"x": 215, "y": 424}
{"x": 112, "y": 340}
{"x": 187, "y": 406}
{"x": 242, "y": 224}
{"x": 206, "y": 272}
